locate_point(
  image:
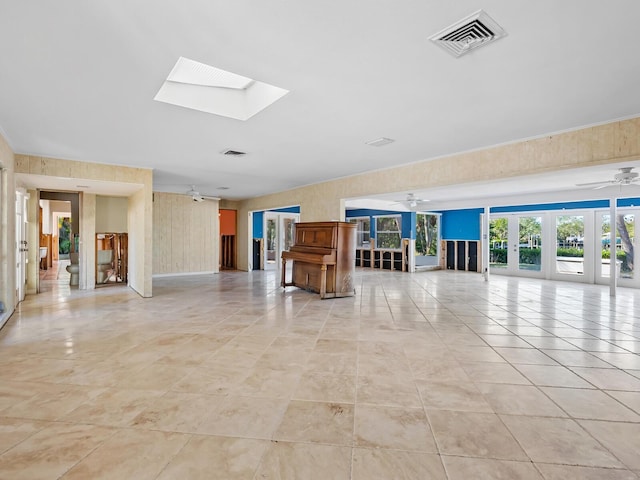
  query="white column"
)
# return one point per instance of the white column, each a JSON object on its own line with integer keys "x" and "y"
{"x": 485, "y": 244}
{"x": 612, "y": 248}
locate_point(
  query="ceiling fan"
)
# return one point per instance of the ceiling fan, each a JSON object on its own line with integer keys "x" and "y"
{"x": 412, "y": 201}
{"x": 196, "y": 197}
{"x": 625, "y": 177}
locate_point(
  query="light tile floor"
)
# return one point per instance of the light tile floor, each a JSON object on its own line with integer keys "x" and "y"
{"x": 436, "y": 375}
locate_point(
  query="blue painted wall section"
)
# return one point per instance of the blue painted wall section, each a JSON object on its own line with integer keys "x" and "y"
{"x": 461, "y": 224}
{"x": 258, "y": 222}
{"x": 465, "y": 224}
{"x": 258, "y": 219}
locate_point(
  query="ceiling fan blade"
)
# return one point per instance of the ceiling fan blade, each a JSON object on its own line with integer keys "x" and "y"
{"x": 601, "y": 184}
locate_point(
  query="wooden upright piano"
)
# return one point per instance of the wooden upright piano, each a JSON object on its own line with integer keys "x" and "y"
{"x": 323, "y": 257}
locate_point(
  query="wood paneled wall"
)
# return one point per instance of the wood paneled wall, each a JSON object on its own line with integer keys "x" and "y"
{"x": 185, "y": 235}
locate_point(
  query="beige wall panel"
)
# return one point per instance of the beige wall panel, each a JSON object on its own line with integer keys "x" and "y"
{"x": 162, "y": 233}
{"x": 140, "y": 223}
{"x": 183, "y": 233}
{"x": 111, "y": 214}
{"x": 627, "y": 138}
{"x": 178, "y": 226}
{"x": 21, "y": 163}
{"x": 602, "y": 141}
{"x": 87, "y": 258}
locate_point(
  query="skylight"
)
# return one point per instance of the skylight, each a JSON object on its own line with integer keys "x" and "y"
{"x": 209, "y": 89}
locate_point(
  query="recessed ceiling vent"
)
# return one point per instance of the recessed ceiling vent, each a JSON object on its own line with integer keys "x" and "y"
{"x": 380, "y": 142}
{"x": 474, "y": 31}
{"x": 233, "y": 153}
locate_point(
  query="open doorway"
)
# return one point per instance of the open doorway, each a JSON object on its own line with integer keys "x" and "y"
{"x": 427, "y": 247}
{"x": 59, "y": 239}
{"x": 278, "y": 236}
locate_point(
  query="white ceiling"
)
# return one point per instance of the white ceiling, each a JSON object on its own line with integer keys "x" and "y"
{"x": 77, "y": 81}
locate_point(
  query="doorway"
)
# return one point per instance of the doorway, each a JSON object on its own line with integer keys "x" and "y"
{"x": 278, "y": 236}
{"x": 427, "y": 245}
{"x": 516, "y": 245}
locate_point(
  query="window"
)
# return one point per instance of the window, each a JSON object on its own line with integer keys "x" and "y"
{"x": 363, "y": 230}
{"x": 388, "y": 232}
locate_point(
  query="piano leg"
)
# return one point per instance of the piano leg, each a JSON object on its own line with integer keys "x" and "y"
{"x": 323, "y": 281}
{"x": 283, "y": 280}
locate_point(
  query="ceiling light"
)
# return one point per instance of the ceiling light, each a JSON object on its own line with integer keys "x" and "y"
{"x": 201, "y": 87}
{"x": 380, "y": 142}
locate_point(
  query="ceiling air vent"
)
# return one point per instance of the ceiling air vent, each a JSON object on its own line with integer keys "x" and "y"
{"x": 380, "y": 142}
{"x": 474, "y": 31}
{"x": 233, "y": 153}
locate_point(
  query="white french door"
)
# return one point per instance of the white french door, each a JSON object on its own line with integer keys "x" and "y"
{"x": 516, "y": 244}
{"x": 626, "y": 245}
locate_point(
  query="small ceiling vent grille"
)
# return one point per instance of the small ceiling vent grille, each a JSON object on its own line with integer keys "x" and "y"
{"x": 474, "y": 31}
{"x": 380, "y": 142}
{"x": 233, "y": 153}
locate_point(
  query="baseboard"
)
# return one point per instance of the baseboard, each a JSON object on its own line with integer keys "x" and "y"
{"x": 161, "y": 275}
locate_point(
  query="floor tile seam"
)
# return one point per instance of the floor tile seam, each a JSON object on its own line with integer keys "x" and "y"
{"x": 441, "y": 453}
{"x": 555, "y": 366}
{"x": 87, "y": 455}
{"x": 613, "y": 469}
{"x": 84, "y": 457}
{"x": 530, "y": 462}
{"x": 171, "y": 459}
{"x": 2, "y": 452}
{"x": 585, "y": 431}
{"x": 430, "y": 424}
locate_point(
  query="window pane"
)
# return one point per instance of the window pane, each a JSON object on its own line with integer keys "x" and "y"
{"x": 388, "y": 233}
{"x": 498, "y": 236}
{"x": 530, "y": 243}
{"x": 570, "y": 244}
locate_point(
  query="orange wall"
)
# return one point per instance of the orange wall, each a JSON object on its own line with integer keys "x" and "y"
{"x": 227, "y": 222}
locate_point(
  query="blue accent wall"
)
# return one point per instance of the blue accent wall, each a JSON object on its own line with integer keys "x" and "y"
{"x": 258, "y": 222}
{"x": 622, "y": 202}
{"x": 461, "y": 224}
{"x": 258, "y": 219}
{"x": 552, "y": 206}
{"x": 628, "y": 202}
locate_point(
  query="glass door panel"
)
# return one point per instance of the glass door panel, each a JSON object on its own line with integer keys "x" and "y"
{"x": 427, "y": 239}
{"x": 624, "y": 248}
{"x": 530, "y": 243}
{"x": 498, "y": 243}
{"x": 625, "y": 238}
{"x": 570, "y": 244}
